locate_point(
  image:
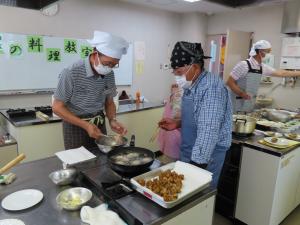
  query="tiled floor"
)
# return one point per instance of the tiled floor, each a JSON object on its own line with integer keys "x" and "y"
{"x": 292, "y": 219}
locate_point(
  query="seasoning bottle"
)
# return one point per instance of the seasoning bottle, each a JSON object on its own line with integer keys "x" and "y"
{"x": 137, "y": 97}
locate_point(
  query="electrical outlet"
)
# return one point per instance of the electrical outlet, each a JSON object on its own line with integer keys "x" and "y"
{"x": 166, "y": 66}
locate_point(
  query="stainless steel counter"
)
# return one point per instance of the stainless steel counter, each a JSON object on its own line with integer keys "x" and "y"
{"x": 35, "y": 175}
{"x": 28, "y": 121}
{"x": 252, "y": 142}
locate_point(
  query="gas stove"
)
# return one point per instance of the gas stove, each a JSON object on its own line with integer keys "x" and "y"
{"x": 114, "y": 187}
{"x": 25, "y": 112}
{"x": 108, "y": 181}
{"x": 13, "y": 113}
{"x": 44, "y": 109}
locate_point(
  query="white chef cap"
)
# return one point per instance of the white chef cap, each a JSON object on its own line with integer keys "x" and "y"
{"x": 109, "y": 45}
{"x": 262, "y": 44}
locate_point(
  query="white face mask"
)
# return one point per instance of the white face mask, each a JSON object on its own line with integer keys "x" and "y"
{"x": 100, "y": 69}
{"x": 182, "y": 81}
{"x": 266, "y": 55}
{"x": 266, "y": 59}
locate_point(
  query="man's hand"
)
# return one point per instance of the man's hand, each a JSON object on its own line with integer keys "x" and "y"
{"x": 246, "y": 96}
{"x": 168, "y": 124}
{"x": 93, "y": 131}
{"x": 117, "y": 127}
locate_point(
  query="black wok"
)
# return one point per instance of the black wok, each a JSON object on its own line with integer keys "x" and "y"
{"x": 130, "y": 168}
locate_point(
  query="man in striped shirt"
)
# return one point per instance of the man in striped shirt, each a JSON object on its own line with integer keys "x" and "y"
{"x": 87, "y": 88}
{"x": 245, "y": 77}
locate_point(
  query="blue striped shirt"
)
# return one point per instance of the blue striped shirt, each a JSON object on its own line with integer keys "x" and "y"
{"x": 213, "y": 116}
{"x": 83, "y": 91}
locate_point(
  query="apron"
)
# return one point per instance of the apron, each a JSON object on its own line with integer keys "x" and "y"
{"x": 249, "y": 84}
{"x": 189, "y": 135}
{"x": 75, "y": 137}
{"x": 188, "y": 126}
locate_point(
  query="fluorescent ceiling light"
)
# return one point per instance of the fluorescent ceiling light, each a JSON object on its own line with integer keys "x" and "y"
{"x": 192, "y": 0}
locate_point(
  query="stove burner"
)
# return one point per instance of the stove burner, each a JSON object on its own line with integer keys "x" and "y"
{"x": 13, "y": 113}
{"x": 44, "y": 109}
{"x": 118, "y": 191}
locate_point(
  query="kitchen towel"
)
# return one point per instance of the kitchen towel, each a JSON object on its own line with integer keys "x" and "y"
{"x": 74, "y": 156}
{"x": 100, "y": 215}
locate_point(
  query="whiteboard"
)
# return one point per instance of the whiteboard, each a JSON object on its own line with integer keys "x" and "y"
{"x": 27, "y": 70}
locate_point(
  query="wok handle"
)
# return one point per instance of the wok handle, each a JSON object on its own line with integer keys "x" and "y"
{"x": 12, "y": 163}
{"x": 132, "y": 141}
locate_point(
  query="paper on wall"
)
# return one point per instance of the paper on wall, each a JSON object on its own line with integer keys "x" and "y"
{"x": 139, "y": 50}
{"x": 139, "y": 67}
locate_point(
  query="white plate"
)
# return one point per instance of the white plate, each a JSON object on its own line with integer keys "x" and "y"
{"x": 11, "y": 222}
{"x": 296, "y": 138}
{"x": 280, "y": 141}
{"x": 23, "y": 199}
{"x": 273, "y": 134}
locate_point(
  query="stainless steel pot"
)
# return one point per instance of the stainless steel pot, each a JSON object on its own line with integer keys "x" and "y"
{"x": 278, "y": 115}
{"x": 243, "y": 124}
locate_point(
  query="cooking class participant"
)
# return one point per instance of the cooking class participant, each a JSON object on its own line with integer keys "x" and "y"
{"x": 206, "y": 114}
{"x": 244, "y": 79}
{"x": 169, "y": 141}
{"x": 87, "y": 88}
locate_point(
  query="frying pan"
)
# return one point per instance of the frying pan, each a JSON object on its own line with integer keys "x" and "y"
{"x": 130, "y": 168}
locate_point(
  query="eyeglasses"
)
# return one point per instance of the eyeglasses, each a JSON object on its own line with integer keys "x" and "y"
{"x": 109, "y": 64}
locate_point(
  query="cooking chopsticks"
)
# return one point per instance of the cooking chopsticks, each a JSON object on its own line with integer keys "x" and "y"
{"x": 154, "y": 135}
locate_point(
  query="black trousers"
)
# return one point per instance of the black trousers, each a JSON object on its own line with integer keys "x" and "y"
{"x": 75, "y": 137}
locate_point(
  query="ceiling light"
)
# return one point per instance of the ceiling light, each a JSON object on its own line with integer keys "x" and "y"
{"x": 192, "y": 0}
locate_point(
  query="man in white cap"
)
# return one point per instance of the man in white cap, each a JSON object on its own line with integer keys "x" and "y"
{"x": 86, "y": 89}
{"x": 245, "y": 77}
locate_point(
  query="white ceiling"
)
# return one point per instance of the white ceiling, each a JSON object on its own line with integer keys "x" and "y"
{"x": 184, "y": 7}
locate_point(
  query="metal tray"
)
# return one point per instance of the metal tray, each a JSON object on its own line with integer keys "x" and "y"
{"x": 195, "y": 180}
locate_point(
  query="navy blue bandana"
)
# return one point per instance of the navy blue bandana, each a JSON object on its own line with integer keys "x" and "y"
{"x": 186, "y": 53}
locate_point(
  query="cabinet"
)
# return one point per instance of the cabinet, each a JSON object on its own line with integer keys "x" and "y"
{"x": 199, "y": 214}
{"x": 286, "y": 187}
{"x": 268, "y": 188}
{"x": 44, "y": 140}
{"x": 38, "y": 141}
{"x": 7, "y": 153}
{"x": 297, "y": 177}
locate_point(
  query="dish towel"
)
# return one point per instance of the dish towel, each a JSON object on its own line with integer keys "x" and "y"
{"x": 75, "y": 156}
{"x": 100, "y": 215}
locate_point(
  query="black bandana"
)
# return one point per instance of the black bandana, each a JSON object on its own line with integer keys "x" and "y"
{"x": 186, "y": 53}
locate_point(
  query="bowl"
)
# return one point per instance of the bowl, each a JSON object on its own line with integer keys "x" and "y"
{"x": 63, "y": 177}
{"x": 73, "y": 198}
{"x": 107, "y": 142}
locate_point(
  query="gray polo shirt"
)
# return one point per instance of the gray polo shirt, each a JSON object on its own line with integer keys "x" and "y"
{"x": 82, "y": 91}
